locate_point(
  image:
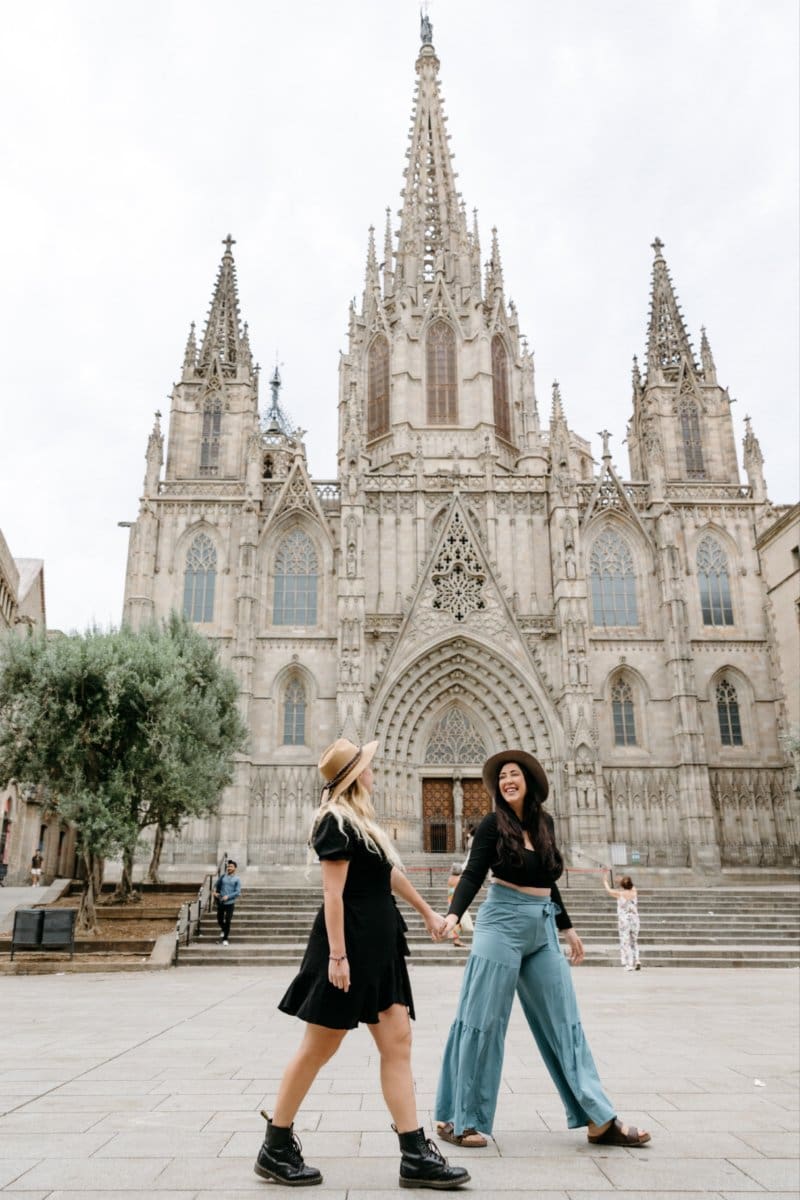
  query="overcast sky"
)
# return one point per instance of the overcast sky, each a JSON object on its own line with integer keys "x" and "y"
{"x": 136, "y": 135}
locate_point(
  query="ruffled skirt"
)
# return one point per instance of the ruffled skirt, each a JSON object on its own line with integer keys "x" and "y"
{"x": 377, "y": 951}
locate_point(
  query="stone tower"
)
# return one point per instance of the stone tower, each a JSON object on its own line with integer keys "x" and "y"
{"x": 472, "y": 579}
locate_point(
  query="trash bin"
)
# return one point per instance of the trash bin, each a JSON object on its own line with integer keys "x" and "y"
{"x": 27, "y": 932}
{"x": 58, "y": 927}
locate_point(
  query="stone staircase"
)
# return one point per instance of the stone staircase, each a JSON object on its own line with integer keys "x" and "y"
{"x": 743, "y": 926}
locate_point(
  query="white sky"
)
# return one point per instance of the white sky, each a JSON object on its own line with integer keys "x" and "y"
{"x": 137, "y": 134}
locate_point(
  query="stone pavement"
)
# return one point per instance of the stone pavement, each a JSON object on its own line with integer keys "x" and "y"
{"x": 149, "y": 1085}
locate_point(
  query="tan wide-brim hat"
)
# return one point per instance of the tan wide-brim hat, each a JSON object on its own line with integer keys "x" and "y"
{"x": 491, "y": 769}
{"x": 343, "y": 762}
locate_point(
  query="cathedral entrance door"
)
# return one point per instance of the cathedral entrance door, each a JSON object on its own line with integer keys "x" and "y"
{"x": 476, "y": 803}
{"x": 438, "y": 834}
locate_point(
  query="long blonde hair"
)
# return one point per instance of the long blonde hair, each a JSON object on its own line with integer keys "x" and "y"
{"x": 354, "y": 805}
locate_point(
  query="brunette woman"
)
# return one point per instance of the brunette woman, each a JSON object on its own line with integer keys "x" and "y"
{"x": 354, "y": 971}
{"x": 515, "y": 948}
{"x": 627, "y": 899}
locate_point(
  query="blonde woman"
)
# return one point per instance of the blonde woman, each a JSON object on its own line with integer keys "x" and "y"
{"x": 353, "y": 972}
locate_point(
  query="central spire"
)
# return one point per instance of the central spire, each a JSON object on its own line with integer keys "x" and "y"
{"x": 668, "y": 344}
{"x": 433, "y": 224}
{"x": 223, "y": 334}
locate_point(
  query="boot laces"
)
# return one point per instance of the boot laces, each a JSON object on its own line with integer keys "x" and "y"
{"x": 435, "y": 1152}
{"x": 294, "y": 1152}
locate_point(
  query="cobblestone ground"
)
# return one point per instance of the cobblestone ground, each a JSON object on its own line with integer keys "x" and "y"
{"x": 150, "y": 1085}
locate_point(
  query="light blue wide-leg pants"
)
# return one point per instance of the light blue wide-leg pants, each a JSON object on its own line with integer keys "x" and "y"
{"x": 515, "y": 948}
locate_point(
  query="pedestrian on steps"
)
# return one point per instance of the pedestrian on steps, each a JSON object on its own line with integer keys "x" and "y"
{"x": 227, "y": 891}
{"x": 515, "y": 948}
{"x": 354, "y": 972}
{"x": 627, "y": 900}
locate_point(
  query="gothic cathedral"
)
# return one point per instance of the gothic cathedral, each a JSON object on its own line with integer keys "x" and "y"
{"x": 470, "y": 581}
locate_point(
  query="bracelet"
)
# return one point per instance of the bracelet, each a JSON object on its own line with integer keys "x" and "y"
{"x": 333, "y": 958}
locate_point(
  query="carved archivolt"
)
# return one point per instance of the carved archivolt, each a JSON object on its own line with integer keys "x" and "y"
{"x": 488, "y": 687}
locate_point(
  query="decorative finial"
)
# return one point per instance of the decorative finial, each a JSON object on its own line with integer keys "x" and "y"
{"x": 228, "y": 242}
{"x": 658, "y": 246}
{"x": 605, "y": 435}
{"x": 425, "y": 26}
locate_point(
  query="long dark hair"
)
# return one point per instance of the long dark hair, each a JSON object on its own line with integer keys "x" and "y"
{"x": 510, "y": 843}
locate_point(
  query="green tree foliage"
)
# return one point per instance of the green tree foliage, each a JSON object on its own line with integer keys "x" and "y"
{"x": 125, "y": 730}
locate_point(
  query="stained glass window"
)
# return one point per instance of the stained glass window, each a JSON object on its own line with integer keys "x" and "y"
{"x": 442, "y": 388}
{"x": 692, "y": 443}
{"x": 199, "y": 580}
{"x": 295, "y": 601}
{"x": 378, "y": 388}
{"x": 502, "y": 412}
{"x": 294, "y": 714}
{"x": 730, "y": 725}
{"x": 714, "y": 583}
{"x": 613, "y": 581}
{"x": 623, "y": 714}
{"x": 210, "y": 441}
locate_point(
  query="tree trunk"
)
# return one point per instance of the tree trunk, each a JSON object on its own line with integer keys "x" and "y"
{"x": 87, "y": 915}
{"x": 155, "y": 860}
{"x": 124, "y": 893}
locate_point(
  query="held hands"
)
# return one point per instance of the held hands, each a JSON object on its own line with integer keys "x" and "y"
{"x": 576, "y": 950}
{"x": 435, "y": 925}
{"x": 449, "y": 922}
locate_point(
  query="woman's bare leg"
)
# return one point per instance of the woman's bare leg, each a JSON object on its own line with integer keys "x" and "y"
{"x": 392, "y": 1036}
{"x": 319, "y": 1044}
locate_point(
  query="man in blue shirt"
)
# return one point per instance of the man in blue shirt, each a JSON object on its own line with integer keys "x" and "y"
{"x": 227, "y": 890}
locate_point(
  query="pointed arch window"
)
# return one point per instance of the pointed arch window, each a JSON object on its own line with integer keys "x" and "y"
{"x": 692, "y": 442}
{"x": 613, "y": 581}
{"x": 199, "y": 580}
{"x": 730, "y": 725}
{"x": 294, "y": 713}
{"x": 210, "y": 440}
{"x": 442, "y": 390}
{"x": 623, "y": 714}
{"x": 295, "y": 600}
{"x": 502, "y": 409}
{"x": 378, "y": 388}
{"x": 714, "y": 583}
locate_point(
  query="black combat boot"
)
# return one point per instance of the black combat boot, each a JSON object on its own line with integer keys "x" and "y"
{"x": 281, "y": 1158}
{"x": 422, "y": 1165}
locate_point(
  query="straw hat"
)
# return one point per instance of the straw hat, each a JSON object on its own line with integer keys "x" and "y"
{"x": 491, "y": 769}
{"x": 343, "y": 762}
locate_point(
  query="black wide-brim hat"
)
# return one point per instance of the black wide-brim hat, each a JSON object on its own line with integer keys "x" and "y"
{"x": 491, "y": 769}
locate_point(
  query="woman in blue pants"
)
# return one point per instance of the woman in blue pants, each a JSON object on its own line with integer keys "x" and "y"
{"x": 515, "y": 949}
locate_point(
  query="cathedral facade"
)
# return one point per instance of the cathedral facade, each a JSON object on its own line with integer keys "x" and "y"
{"x": 471, "y": 580}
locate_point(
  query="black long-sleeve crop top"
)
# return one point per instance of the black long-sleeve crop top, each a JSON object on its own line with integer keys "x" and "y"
{"x": 483, "y": 858}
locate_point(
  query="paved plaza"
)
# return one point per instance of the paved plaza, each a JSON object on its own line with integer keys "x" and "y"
{"x": 150, "y": 1085}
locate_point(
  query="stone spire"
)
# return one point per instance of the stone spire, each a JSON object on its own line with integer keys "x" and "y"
{"x": 668, "y": 345}
{"x": 371, "y": 280}
{"x": 154, "y": 458}
{"x": 432, "y": 220}
{"x": 190, "y": 353}
{"x": 388, "y": 273}
{"x": 754, "y": 463}
{"x": 707, "y": 358}
{"x": 494, "y": 269}
{"x": 223, "y": 335}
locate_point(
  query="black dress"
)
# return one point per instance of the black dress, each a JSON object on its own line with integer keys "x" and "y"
{"x": 374, "y": 934}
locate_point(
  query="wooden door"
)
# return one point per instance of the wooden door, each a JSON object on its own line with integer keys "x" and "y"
{"x": 476, "y": 804}
{"x": 437, "y": 816}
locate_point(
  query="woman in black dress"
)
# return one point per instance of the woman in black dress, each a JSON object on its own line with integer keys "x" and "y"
{"x": 354, "y": 971}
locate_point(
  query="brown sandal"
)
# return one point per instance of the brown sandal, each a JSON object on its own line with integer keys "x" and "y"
{"x": 470, "y": 1139}
{"x": 613, "y": 1135}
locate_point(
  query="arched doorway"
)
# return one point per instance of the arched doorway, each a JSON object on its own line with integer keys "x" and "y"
{"x": 454, "y": 797}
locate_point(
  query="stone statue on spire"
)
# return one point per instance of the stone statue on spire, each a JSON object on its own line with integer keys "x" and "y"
{"x": 425, "y": 28}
